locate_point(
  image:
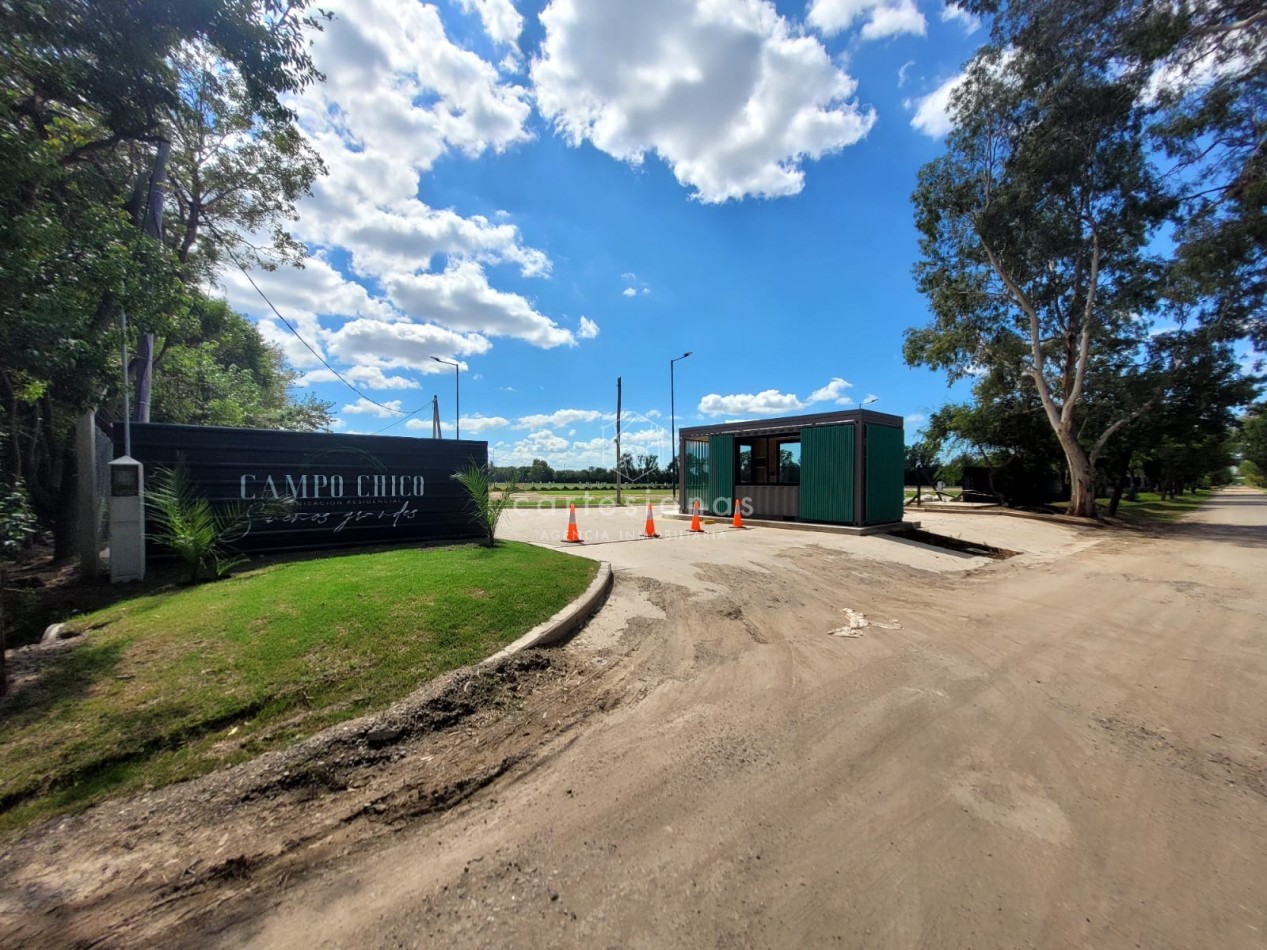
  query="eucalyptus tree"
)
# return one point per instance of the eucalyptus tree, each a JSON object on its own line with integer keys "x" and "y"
{"x": 1034, "y": 231}
{"x": 1201, "y": 70}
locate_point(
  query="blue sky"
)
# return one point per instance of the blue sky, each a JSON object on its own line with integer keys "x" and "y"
{"x": 558, "y": 193}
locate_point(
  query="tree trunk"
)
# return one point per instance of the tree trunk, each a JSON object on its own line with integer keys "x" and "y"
{"x": 1118, "y": 484}
{"x": 64, "y": 520}
{"x": 1081, "y": 478}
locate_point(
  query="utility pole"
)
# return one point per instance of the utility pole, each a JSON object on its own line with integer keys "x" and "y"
{"x": 677, "y": 468}
{"x": 618, "y": 440}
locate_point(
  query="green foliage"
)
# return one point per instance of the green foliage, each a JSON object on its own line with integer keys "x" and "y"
{"x": 1202, "y": 69}
{"x": 17, "y": 531}
{"x": 18, "y": 525}
{"x": 1251, "y": 442}
{"x": 217, "y": 370}
{"x": 233, "y": 174}
{"x": 194, "y": 529}
{"x": 1253, "y": 474}
{"x": 88, "y": 92}
{"x": 483, "y": 503}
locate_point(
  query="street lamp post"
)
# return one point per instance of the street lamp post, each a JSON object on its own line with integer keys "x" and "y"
{"x": 457, "y": 389}
{"x": 673, "y": 425}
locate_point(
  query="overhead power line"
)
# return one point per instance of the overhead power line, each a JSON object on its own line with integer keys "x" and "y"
{"x": 311, "y": 349}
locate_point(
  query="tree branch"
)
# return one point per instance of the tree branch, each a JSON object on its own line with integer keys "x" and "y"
{"x": 1088, "y": 321}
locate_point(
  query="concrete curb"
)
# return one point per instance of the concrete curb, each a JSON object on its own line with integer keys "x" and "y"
{"x": 567, "y": 620}
{"x": 1010, "y": 513}
{"x": 888, "y": 527}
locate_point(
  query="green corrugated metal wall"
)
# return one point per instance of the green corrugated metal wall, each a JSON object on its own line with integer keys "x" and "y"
{"x": 827, "y": 474}
{"x": 721, "y": 473}
{"x": 886, "y": 455}
{"x": 696, "y": 472}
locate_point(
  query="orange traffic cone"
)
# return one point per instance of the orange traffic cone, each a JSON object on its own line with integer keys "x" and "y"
{"x": 738, "y": 522}
{"x": 695, "y": 526}
{"x": 649, "y": 530}
{"x": 574, "y": 536}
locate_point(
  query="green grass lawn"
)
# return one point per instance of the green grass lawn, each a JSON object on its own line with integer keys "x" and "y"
{"x": 1149, "y": 507}
{"x": 169, "y": 685}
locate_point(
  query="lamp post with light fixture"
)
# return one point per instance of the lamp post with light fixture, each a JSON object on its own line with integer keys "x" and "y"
{"x": 673, "y": 426}
{"x": 457, "y": 390}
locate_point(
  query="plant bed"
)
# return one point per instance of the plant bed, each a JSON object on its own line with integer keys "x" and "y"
{"x": 167, "y": 685}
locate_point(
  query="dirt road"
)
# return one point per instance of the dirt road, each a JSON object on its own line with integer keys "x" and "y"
{"x": 1057, "y": 751}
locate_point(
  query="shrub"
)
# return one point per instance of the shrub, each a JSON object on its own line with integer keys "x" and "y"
{"x": 485, "y": 509}
{"x": 195, "y": 530}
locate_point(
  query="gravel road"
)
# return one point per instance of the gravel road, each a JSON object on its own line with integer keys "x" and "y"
{"x": 815, "y": 747}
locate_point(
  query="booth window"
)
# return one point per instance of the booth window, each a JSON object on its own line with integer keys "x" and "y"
{"x": 789, "y": 461}
{"x": 768, "y": 461}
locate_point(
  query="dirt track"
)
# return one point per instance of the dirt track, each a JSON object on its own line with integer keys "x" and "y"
{"x": 1052, "y": 751}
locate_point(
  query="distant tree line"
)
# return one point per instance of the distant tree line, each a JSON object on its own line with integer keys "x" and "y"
{"x": 640, "y": 470}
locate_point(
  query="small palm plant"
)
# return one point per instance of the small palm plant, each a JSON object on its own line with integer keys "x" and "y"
{"x": 192, "y": 527}
{"x": 484, "y": 503}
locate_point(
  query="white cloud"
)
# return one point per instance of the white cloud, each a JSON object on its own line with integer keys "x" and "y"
{"x": 772, "y": 401}
{"x": 501, "y": 20}
{"x": 477, "y": 424}
{"x": 587, "y": 329}
{"x": 629, "y": 292}
{"x": 462, "y": 299}
{"x": 952, "y": 12}
{"x": 1204, "y": 63}
{"x": 902, "y": 71}
{"x": 384, "y": 116}
{"x": 729, "y": 95}
{"x": 541, "y": 444}
{"x": 403, "y": 344}
{"x": 405, "y": 237}
{"x": 916, "y": 418}
{"x": 561, "y": 417}
{"x": 932, "y": 112}
{"x": 832, "y": 392}
{"x": 894, "y": 20}
{"x": 370, "y": 377}
{"x": 471, "y": 425}
{"x": 766, "y": 402}
{"x": 364, "y": 406}
{"x": 381, "y": 94}
{"x": 883, "y": 17}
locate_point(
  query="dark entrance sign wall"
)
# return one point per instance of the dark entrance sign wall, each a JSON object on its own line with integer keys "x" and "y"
{"x": 339, "y": 490}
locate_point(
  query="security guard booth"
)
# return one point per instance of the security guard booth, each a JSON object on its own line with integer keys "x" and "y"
{"x": 830, "y": 468}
